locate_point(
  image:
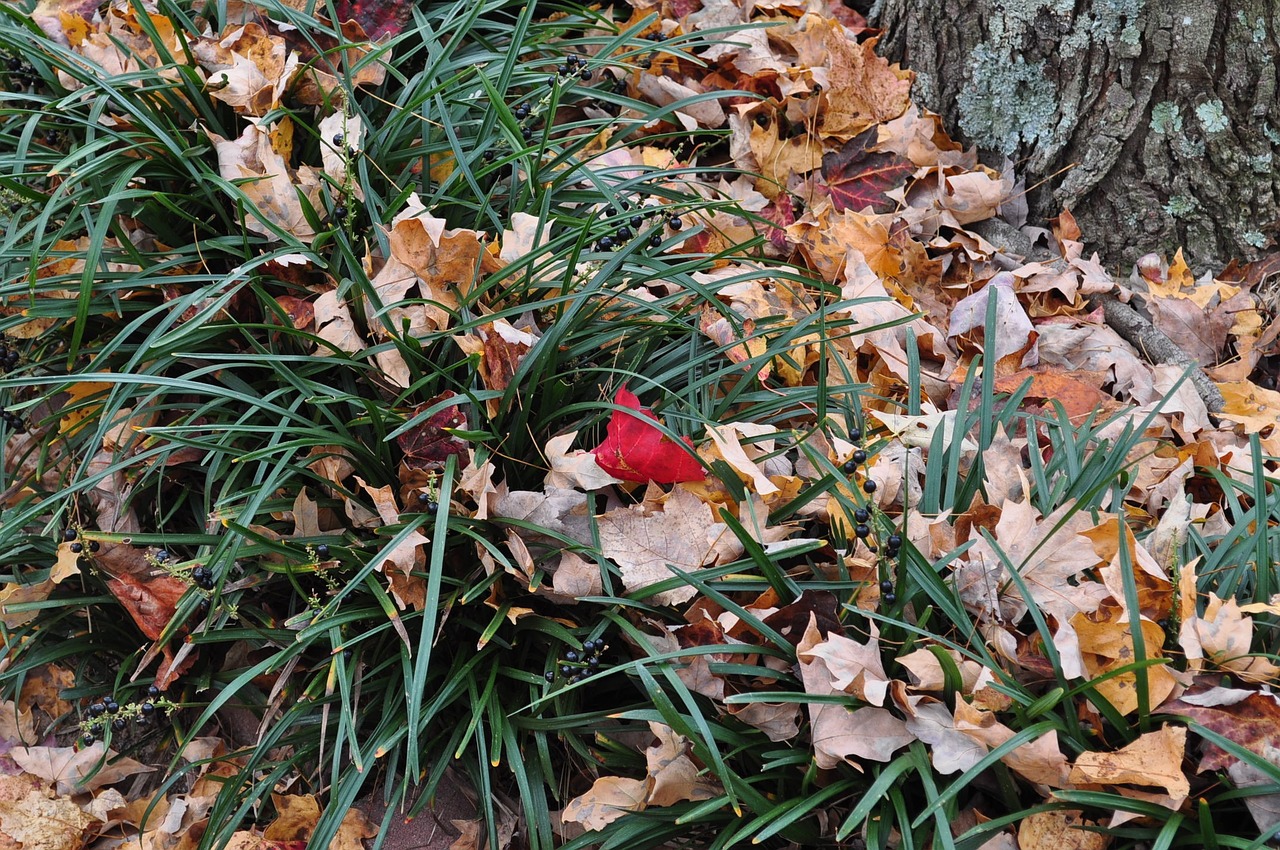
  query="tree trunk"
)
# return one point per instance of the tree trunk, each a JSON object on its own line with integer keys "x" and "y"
{"x": 1156, "y": 122}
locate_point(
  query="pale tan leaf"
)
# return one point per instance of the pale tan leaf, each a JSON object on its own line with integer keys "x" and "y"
{"x": 574, "y": 469}
{"x": 1059, "y": 830}
{"x": 1153, "y": 759}
{"x": 682, "y": 534}
{"x": 609, "y": 798}
{"x": 675, "y": 776}
{"x": 68, "y": 769}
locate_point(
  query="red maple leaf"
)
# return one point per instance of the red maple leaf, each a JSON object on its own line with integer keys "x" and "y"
{"x": 858, "y": 177}
{"x": 635, "y": 450}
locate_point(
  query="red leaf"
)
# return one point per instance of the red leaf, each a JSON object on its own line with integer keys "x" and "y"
{"x": 1253, "y": 723}
{"x": 634, "y": 450}
{"x": 781, "y": 212}
{"x": 859, "y": 177}
{"x": 377, "y": 17}
{"x": 428, "y": 444}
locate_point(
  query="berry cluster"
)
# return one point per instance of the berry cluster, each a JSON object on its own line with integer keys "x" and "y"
{"x": 203, "y": 577}
{"x": 8, "y": 356}
{"x": 109, "y": 713}
{"x": 575, "y": 65}
{"x": 427, "y": 501}
{"x": 862, "y": 516}
{"x": 630, "y": 222}
{"x": 576, "y": 666}
{"x": 13, "y": 420}
{"x": 78, "y": 546}
{"x": 21, "y": 72}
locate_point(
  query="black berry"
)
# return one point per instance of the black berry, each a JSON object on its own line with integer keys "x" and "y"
{"x": 489, "y": 155}
{"x": 338, "y": 140}
{"x": 565, "y": 669}
{"x": 862, "y": 515}
{"x": 869, "y": 486}
{"x": 605, "y": 243}
{"x": 855, "y": 434}
{"x": 70, "y": 534}
{"x": 77, "y": 547}
{"x": 153, "y": 691}
{"x": 859, "y": 456}
{"x": 340, "y": 211}
{"x": 147, "y": 708}
{"x": 563, "y": 69}
{"x": 863, "y": 531}
{"x": 588, "y": 646}
{"x": 94, "y": 546}
{"x": 655, "y": 241}
{"x": 623, "y": 233}
{"x": 894, "y": 541}
{"x": 675, "y": 222}
{"x": 890, "y": 598}
{"x": 112, "y": 706}
{"x": 550, "y": 675}
{"x": 593, "y": 662}
{"x": 162, "y": 556}
{"x": 886, "y": 586}
{"x": 571, "y": 656}
{"x": 585, "y": 73}
{"x": 849, "y": 467}
{"x": 97, "y": 709}
{"x": 119, "y": 724}
{"x": 637, "y": 221}
{"x": 322, "y": 551}
{"x": 87, "y": 739}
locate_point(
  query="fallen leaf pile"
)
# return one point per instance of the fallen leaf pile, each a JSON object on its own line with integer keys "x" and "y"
{"x": 841, "y": 175}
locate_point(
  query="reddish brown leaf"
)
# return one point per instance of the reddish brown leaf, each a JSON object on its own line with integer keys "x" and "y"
{"x": 635, "y": 450}
{"x": 859, "y": 177}
{"x": 428, "y": 444}
{"x": 376, "y": 17}
{"x": 300, "y": 311}
{"x": 781, "y": 212}
{"x": 1254, "y": 722}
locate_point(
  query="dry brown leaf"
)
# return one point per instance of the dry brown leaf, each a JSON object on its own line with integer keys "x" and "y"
{"x": 42, "y": 822}
{"x": 574, "y": 469}
{"x": 263, "y": 175}
{"x": 683, "y": 534}
{"x": 609, "y": 798}
{"x": 675, "y": 776}
{"x": 69, "y": 769}
{"x": 1153, "y": 759}
{"x": 1059, "y": 830}
{"x": 249, "y": 68}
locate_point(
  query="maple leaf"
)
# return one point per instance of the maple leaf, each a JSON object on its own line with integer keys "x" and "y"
{"x": 681, "y": 534}
{"x": 858, "y": 177}
{"x": 428, "y": 444}
{"x": 635, "y": 450}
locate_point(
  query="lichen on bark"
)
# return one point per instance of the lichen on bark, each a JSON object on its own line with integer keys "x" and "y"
{"x": 1156, "y": 121}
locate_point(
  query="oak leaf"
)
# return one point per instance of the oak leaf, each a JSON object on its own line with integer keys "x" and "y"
{"x": 609, "y": 798}
{"x": 1250, "y": 718}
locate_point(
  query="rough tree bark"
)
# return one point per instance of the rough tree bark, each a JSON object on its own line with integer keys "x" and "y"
{"x": 1164, "y": 113}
